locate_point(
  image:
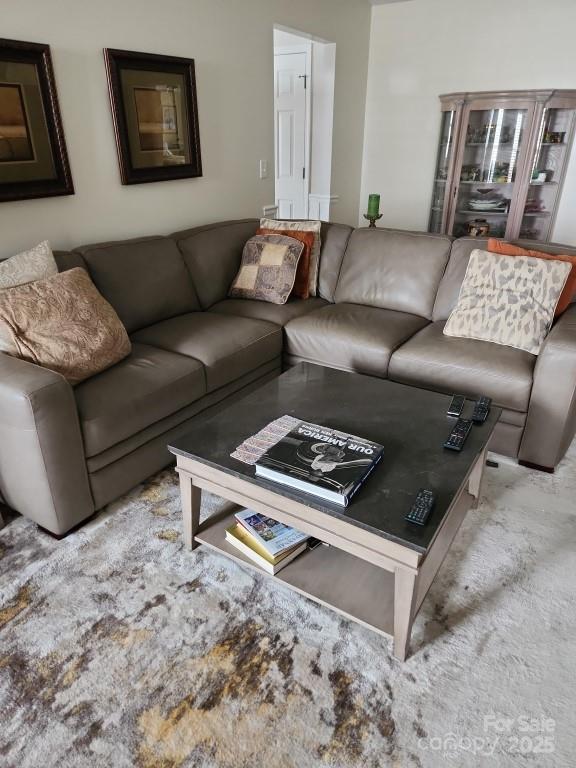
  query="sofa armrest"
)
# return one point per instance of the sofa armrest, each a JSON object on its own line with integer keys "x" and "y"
{"x": 42, "y": 466}
{"x": 551, "y": 421}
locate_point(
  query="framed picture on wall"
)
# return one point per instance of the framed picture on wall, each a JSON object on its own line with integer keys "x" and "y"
{"x": 155, "y": 114}
{"x": 33, "y": 156}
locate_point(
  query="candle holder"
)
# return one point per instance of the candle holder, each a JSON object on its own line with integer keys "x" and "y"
{"x": 372, "y": 219}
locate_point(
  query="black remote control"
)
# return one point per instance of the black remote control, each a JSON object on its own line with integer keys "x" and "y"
{"x": 481, "y": 410}
{"x": 421, "y": 508}
{"x": 456, "y": 405}
{"x": 458, "y": 435}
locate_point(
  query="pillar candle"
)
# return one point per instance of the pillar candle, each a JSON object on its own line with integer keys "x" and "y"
{"x": 373, "y": 205}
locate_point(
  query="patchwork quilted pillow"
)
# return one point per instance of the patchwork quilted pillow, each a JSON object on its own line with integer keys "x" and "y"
{"x": 508, "y": 300}
{"x": 64, "y": 324}
{"x": 36, "y": 264}
{"x": 301, "y": 288}
{"x": 302, "y": 226}
{"x": 268, "y": 269}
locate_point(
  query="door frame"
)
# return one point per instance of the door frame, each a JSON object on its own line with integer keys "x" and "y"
{"x": 283, "y": 50}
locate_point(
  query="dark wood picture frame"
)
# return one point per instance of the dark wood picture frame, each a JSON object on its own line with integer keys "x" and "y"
{"x": 59, "y": 180}
{"x": 118, "y": 62}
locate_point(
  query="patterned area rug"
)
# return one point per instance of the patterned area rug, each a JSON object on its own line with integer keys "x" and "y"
{"x": 119, "y": 648}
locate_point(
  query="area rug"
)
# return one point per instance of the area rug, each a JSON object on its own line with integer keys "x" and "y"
{"x": 120, "y": 648}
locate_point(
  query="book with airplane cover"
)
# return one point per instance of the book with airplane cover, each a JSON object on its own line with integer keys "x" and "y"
{"x": 321, "y": 461}
{"x": 238, "y": 537}
{"x": 274, "y": 537}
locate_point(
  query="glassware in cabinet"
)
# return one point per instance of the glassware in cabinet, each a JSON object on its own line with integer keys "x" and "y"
{"x": 491, "y": 153}
{"x": 547, "y": 173}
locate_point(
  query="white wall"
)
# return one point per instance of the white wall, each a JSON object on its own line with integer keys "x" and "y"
{"x": 232, "y": 44}
{"x": 423, "y": 48}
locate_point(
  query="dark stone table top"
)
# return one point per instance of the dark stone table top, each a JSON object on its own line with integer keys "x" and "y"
{"x": 410, "y": 423}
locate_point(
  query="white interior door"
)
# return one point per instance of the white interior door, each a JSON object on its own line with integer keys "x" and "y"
{"x": 290, "y": 130}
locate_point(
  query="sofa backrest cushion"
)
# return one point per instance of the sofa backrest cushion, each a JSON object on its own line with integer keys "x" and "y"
{"x": 393, "y": 269}
{"x": 212, "y": 254}
{"x": 334, "y": 239}
{"x": 449, "y": 289}
{"x": 145, "y": 279}
{"x": 66, "y": 260}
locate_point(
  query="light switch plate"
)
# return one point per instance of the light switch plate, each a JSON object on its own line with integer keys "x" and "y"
{"x": 263, "y": 169}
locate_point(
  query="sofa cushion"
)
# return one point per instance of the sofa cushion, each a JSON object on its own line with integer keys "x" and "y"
{"x": 64, "y": 324}
{"x": 465, "y": 366}
{"x": 38, "y": 263}
{"x": 268, "y": 269}
{"x": 510, "y": 249}
{"x": 350, "y": 337}
{"x": 449, "y": 288}
{"x": 393, "y": 270}
{"x": 145, "y": 280}
{"x": 334, "y": 241}
{"x": 304, "y": 226}
{"x": 262, "y": 310}
{"x": 301, "y": 289}
{"x": 508, "y": 300}
{"x": 229, "y": 347}
{"x": 212, "y": 254}
{"x": 145, "y": 387}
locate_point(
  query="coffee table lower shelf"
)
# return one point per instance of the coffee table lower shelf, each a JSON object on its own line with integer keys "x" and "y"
{"x": 354, "y": 588}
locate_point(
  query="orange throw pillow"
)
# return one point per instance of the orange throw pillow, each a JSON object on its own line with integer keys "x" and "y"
{"x": 300, "y": 289}
{"x": 507, "y": 249}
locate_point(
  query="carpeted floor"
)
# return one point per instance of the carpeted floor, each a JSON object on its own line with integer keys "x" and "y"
{"x": 118, "y": 648}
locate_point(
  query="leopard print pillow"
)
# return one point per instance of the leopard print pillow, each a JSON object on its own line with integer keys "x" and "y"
{"x": 508, "y": 300}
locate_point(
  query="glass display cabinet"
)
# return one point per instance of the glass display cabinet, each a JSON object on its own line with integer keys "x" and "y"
{"x": 501, "y": 162}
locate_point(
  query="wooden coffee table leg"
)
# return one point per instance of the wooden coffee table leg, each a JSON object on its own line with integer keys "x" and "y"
{"x": 475, "y": 479}
{"x": 191, "y": 497}
{"x": 404, "y": 603}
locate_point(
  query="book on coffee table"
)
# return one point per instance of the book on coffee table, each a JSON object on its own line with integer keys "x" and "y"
{"x": 238, "y": 537}
{"x": 321, "y": 461}
{"x": 273, "y": 537}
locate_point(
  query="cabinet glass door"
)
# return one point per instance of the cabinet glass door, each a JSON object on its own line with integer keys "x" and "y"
{"x": 441, "y": 175}
{"x": 547, "y": 173}
{"x": 493, "y": 149}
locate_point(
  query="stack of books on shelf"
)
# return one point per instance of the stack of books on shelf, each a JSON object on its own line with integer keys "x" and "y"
{"x": 324, "y": 462}
{"x": 267, "y": 542}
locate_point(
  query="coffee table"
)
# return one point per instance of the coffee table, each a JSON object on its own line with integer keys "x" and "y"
{"x": 378, "y": 567}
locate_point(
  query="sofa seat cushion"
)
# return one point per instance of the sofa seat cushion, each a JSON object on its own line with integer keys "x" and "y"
{"x": 145, "y": 387}
{"x": 350, "y": 337}
{"x": 465, "y": 366}
{"x": 273, "y": 313}
{"x": 228, "y": 346}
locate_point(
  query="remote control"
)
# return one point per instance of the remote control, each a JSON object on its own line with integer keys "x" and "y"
{"x": 456, "y": 406}
{"x": 458, "y": 435}
{"x": 481, "y": 410}
{"x": 421, "y": 508}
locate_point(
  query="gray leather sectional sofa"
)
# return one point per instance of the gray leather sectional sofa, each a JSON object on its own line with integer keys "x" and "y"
{"x": 384, "y": 298}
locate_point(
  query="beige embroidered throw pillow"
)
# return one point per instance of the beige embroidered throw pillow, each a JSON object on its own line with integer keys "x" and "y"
{"x": 508, "y": 300}
{"x": 36, "y": 264}
{"x": 302, "y": 226}
{"x": 64, "y": 324}
{"x": 268, "y": 269}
